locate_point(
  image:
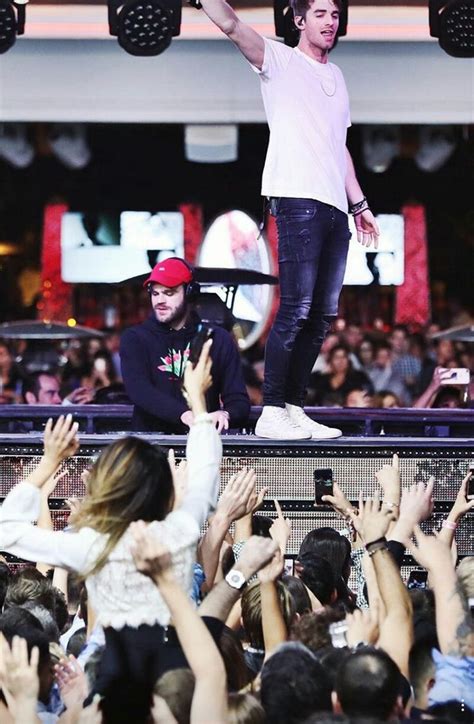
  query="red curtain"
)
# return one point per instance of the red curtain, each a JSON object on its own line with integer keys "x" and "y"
{"x": 56, "y": 295}
{"x": 412, "y": 305}
{"x": 193, "y": 230}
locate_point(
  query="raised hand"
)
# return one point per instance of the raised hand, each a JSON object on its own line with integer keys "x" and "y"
{"x": 280, "y": 529}
{"x": 417, "y": 502}
{"x": 197, "y": 380}
{"x": 60, "y": 439}
{"x": 255, "y": 554}
{"x": 431, "y": 552}
{"x": 363, "y": 626}
{"x": 461, "y": 505}
{"x": 389, "y": 480}
{"x": 72, "y": 682}
{"x": 240, "y": 497}
{"x": 273, "y": 570}
{"x": 19, "y": 674}
{"x": 338, "y": 501}
{"x": 373, "y": 521}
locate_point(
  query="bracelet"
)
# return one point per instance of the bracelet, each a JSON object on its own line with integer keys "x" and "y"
{"x": 348, "y": 511}
{"x": 376, "y": 544}
{"x": 449, "y": 524}
{"x": 389, "y": 504}
{"x": 359, "y": 207}
{"x": 380, "y": 547}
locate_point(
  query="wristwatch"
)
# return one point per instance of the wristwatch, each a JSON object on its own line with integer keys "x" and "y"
{"x": 236, "y": 579}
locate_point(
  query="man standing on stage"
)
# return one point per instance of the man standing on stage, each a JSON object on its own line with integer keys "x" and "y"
{"x": 308, "y": 177}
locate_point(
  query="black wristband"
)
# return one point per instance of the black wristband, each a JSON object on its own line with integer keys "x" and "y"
{"x": 376, "y": 544}
{"x": 359, "y": 207}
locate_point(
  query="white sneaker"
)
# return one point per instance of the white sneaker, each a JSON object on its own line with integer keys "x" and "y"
{"x": 317, "y": 431}
{"x": 275, "y": 424}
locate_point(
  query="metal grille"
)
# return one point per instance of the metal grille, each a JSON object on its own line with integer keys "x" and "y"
{"x": 288, "y": 472}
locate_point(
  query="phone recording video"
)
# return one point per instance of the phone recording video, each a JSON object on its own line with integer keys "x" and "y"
{"x": 470, "y": 485}
{"x": 417, "y": 579}
{"x": 322, "y": 484}
{"x": 202, "y": 335}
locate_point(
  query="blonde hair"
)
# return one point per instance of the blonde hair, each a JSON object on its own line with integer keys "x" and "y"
{"x": 465, "y": 574}
{"x": 252, "y": 611}
{"x": 131, "y": 480}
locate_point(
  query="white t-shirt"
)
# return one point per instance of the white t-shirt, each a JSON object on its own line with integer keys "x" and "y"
{"x": 307, "y": 109}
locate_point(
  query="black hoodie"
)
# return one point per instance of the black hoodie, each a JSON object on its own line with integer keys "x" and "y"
{"x": 153, "y": 357}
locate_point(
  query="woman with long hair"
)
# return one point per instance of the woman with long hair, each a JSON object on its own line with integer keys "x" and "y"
{"x": 131, "y": 480}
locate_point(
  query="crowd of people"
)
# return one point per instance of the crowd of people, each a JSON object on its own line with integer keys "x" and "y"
{"x": 137, "y": 612}
{"x": 356, "y": 368}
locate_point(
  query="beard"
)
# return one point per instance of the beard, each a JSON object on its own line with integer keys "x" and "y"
{"x": 175, "y": 316}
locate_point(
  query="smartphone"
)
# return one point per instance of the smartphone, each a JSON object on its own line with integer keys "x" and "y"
{"x": 456, "y": 376}
{"x": 417, "y": 579}
{"x": 338, "y": 633}
{"x": 290, "y": 566}
{"x": 322, "y": 484}
{"x": 202, "y": 335}
{"x": 470, "y": 485}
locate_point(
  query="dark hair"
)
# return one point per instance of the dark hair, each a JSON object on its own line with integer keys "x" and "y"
{"x": 298, "y": 593}
{"x": 77, "y": 642}
{"x": 261, "y": 525}
{"x": 329, "y": 544}
{"x": 234, "y": 661}
{"x": 293, "y": 685}
{"x": 312, "y": 629}
{"x": 5, "y": 575}
{"x": 301, "y": 7}
{"x": 32, "y": 383}
{"x": 16, "y": 620}
{"x": 332, "y": 659}
{"x": 45, "y": 617}
{"x": 318, "y": 575}
{"x": 24, "y": 588}
{"x": 61, "y": 614}
{"x": 368, "y": 683}
{"x": 421, "y": 664}
{"x": 338, "y": 348}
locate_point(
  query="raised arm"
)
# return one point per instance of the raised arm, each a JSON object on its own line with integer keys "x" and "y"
{"x": 248, "y": 41}
{"x": 23, "y": 505}
{"x": 454, "y": 623}
{"x": 210, "y": 692}
{"x": 396, "y": 630}
{"x": 204, "y": 447}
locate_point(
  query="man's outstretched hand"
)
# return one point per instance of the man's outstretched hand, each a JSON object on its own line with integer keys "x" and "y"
{"x": 368, "y": 231}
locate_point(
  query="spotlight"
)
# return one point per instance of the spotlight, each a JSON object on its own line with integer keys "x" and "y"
{"x": 285, "y": 26}
{"x": 12, "y": 22}
{"x": 452, "y": 22}
{"x": 144, "y": 27}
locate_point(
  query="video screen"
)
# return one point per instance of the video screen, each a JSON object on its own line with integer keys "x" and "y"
{"x": 384, "y": 265}
{"x": 110, "y": 248}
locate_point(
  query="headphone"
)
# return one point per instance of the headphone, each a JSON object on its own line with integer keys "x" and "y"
{"x": 192, "y": 288}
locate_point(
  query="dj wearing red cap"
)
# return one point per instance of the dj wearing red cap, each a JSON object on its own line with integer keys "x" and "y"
{"x": 154, "y": 355}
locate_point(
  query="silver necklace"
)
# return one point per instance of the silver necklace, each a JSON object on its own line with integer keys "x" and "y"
{"x": 334, "y": 84}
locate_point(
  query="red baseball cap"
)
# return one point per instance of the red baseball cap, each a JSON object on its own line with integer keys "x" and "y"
{"x": 170, "y": 272}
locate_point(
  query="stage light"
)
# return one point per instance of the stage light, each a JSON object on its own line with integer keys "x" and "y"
{"x": 437, "y": 145}
{"x": 68, "y": 142}
{"x": 380, "y": 145}
{"x": 15, "y": 146}
{"x": 211, "y": 143}
{"x": 285, "y": 26}
{"x": 451, "y": 21}
{"x": 144, "y": 27}
{"x": 12, "y": 22}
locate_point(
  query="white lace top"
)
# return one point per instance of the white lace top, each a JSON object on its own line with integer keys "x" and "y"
{"x": 118, "y": 593}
